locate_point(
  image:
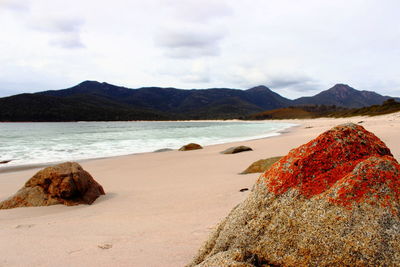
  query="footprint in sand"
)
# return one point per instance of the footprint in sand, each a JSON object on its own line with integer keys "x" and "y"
{"x": 74, "y": 251}
{"x": 105, "y": 246}
{"x": 19, "y": 226}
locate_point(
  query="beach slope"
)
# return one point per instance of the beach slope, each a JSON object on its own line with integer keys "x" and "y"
{"x": 158, "y": 208}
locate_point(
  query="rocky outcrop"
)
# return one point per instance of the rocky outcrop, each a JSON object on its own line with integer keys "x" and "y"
{"x": 331, "y": 202}
{"x": 261, "y": 165}
{"x": 236, "y": 149}
{"x": 66, "y": 183}
{"x": 191, "y": 146}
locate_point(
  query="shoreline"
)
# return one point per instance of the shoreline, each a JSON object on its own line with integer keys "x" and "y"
{"x": 16, "y": 168}
{"x": 159, "y": 208}
{"x": 216, "y": 120}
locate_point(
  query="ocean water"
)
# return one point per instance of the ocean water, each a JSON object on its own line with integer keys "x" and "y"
{"x": 37, "y": 143}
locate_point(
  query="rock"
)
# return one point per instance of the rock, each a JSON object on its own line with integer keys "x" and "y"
{"x": 261, "y": 165}
{"x": 331, "y": 202}
{"x": 66, "y": 183}
{"x": 164, "y": 150}
{"x": 236, "y": 149}
{"x": 191, "y": 146}
{"x": 5, "y": 161}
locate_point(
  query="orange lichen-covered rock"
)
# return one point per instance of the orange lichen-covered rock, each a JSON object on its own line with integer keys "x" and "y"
{"x": 316, "y": 166}
{"x": 66, "y": 183}
{"x": 334, "y": 201}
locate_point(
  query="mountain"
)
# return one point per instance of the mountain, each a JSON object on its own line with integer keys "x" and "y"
{"x": 37, "y": 107}
{"x": 177, "y": 100}
{"x": 343, "y": 95}
{"x": 92, "y": 100}
{"x": 318, "y": 111}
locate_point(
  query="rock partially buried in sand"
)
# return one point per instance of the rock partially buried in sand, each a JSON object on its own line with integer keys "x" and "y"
{"x": 66, "y": 183}
{"x": 331, "y": 202}
{"x": 191, "y": 146}
{"x": 236, "y": 149}
{"x": 163, "y": 150}
{"x": 261, "y": 165}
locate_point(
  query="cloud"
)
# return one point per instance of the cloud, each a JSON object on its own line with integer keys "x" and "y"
{"x": 15, "y": 5}
{"x": 57, "y": 25}
{"x": 69, "y": 41}
{"x": 195, "y": 73}
{"x": 189, "y": 44}
{"x": 192, "y": 28}
{"x": 300, "y": 83}
{"x": 247, "y": 75}
{"x": 280, "y": 44}
{"x": 64, "y": 32}
{"x": 199, "y": 78}
{"x": 200, "y": 11}
{"x": 19, "y": 78}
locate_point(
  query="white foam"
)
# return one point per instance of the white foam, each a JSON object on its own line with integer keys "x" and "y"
{"x": 36, "y": 143}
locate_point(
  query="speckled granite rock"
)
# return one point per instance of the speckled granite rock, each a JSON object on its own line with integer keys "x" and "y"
{"x": 66, "y": 183}
{"x": 261, "y": 165}
{"x": 191, "y": 146}
{"x": 331, "y": 202}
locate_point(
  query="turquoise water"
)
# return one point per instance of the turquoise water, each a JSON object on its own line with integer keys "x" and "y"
{"x": 35, "y": 143}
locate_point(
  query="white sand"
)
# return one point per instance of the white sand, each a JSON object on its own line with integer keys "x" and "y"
{"x": 159, "y": 207}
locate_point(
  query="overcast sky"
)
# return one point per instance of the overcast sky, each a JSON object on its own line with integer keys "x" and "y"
{"x": 295, "y": 47}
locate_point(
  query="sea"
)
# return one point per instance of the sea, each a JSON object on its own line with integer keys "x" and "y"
{"x": 39, "y": 143}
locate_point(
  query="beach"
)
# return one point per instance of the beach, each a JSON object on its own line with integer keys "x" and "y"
{"x": 158, "y": 208}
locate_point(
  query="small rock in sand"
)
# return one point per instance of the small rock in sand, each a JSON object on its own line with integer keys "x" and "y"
{"x": 261, "y": 165}
{"x": 236, "y": 149}
{"x": 191, "y": 146}
{"x": 164, "y": 150}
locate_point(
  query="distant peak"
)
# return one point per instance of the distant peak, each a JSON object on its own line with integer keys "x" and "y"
{"x": 341, "y": 86}
{"x": 259, "y": 88}
{"x": 88, "y": 82}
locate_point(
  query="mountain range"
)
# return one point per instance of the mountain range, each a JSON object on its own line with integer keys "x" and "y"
{"x": 93, "y": 101}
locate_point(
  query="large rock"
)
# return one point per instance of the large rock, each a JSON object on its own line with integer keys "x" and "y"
{"x": 66, "y": 183}
{"x": 331, "y": 202}
{"x": 191, "y": 146}
{"x": 236, "y": 149}
{"x": 261, "y": 165}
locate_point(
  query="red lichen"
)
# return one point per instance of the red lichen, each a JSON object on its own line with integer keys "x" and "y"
{"x": 375, "y": 180}
{"x": 331, "y": 159}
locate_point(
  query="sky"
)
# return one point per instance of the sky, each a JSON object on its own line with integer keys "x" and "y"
{"x": 295, "y": 47}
